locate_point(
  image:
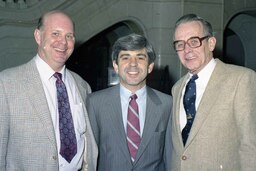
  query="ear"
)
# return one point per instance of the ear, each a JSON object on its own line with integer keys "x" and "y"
{"x": 212, "y": 43}
{"x": 115, "y": 66}
{"x": 37, "y": 36}
{"x": 150, "y": 67}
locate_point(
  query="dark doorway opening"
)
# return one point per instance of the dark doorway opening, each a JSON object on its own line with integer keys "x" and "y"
{"x": 233, "y": 49}
{"x": 92, "y": 61}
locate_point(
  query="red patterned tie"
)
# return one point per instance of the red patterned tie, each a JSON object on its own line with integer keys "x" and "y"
{"x": 68, "y": 146}
{"x": 133, "y": 127}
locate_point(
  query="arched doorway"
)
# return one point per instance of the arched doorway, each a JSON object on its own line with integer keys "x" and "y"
{"x": 240, "y": 40}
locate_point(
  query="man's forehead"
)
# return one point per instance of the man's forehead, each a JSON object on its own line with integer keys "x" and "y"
{"x": 143, "y": 50}
{"x": 188, "y": 29}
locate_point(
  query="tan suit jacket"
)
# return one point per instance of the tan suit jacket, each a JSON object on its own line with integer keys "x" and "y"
{"x": 27, "y": 138}
{"x": 223, "y": 135}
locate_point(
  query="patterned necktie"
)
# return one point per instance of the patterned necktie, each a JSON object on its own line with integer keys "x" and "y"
{"x": 189, "y": 105}
{"x": 133, "y": 127}
{"x": 68, "y": 145}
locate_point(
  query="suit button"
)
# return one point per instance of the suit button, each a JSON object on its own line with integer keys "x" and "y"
{"x": 54, "y": 157}
{"x": 184, "y": 157}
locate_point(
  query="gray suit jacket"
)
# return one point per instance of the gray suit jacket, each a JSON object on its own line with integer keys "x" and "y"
{"x": 27, "y": 135}
{"x": 105, "y": 113}
{"x": 223, "y": 135}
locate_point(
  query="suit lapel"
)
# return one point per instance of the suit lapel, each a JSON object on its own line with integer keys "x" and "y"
{"x": 176, "y": 109}
{"x": 34, "y": 88}
{"x": 208, "y": 99}
{"x": 82, "y": 90}
{"x": 116, "y": 120}
{"x": 151, "y": 121}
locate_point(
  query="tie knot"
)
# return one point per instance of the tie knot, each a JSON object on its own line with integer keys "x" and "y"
{"x": 134, "y": 97}
{"x": 194, "y": 77}
{"x": 57, "y": 75}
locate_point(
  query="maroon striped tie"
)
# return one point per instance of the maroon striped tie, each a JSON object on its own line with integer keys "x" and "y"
{"x": 133, "y": 127}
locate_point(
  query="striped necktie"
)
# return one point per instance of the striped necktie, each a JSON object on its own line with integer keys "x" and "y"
{"x": 133, "y": 127}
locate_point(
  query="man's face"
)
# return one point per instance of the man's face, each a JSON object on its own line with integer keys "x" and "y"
{"x": 133, "y": 68}
{"x": 55, "y": 40}
{"x": 194, "y": 59}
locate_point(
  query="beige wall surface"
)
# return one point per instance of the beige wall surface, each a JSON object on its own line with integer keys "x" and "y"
{"x": 155, "y": 18}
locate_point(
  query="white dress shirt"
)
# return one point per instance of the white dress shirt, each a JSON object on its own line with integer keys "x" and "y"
{"x": 76, "y": 105}
{"x": 201, "y": 83}
{"x": 141, "y": 101}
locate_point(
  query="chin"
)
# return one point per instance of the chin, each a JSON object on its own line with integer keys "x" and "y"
{"x": 61, "y": 58}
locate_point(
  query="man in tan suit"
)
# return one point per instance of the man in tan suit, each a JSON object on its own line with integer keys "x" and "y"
{"x": 223, "y": 131}
{"x": 30, "y": 114}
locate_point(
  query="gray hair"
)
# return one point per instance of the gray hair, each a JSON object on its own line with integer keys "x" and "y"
{"x": 193, "y": 17}
{"x": 133, "y": 42}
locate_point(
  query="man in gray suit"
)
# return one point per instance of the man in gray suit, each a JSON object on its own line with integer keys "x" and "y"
{"x": 30, "y": 131}
{"x": 223, "y": 131}
{"x": 149, "y": 148}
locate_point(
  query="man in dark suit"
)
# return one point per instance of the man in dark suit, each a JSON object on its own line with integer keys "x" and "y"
{"x": 133, "y": 59}
{"x": 222, "y": 121}
{"x": 30, "y": 124}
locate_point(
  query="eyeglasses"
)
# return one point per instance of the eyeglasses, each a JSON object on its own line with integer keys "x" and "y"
{"x": 192, "y": 42}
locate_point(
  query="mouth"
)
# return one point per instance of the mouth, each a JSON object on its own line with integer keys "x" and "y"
{"x": 188, "y": 58}
{"x": 60, "y": 50}
{"x": 133, "y": 72}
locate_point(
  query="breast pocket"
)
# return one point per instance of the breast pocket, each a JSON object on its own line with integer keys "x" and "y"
{"x": 79, "y": 120}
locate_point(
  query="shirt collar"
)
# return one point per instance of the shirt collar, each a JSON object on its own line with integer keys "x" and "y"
{"x": 205, "y": 74}
{"x": 208, "y": 69}
{"x": 127, "y": 93}
{"x": 46, "y": 72}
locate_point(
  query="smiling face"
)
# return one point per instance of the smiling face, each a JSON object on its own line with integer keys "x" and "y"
{"x": 194, "y": 59}
{"x": 133, "y": 68}
{"x": 55, "y": 40}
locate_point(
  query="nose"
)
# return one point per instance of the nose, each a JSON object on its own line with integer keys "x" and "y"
{"x": 187, "y": 48}
{"x": 63, "y": 39}
{"x": 133, "y": 61}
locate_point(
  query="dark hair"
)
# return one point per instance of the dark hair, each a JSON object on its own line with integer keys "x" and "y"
{"x": 133, "y": 42}
{"x": 41, "y": 20}
{"x": 193, "y": 17}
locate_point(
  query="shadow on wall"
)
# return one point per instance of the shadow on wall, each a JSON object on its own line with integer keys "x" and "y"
{"x": 161, "y": 80}
{"x": 91, "y": 60}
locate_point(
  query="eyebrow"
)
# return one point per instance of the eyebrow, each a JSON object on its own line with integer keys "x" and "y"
{"x": 139, "y": 54}
{"x": 188, "y": 38}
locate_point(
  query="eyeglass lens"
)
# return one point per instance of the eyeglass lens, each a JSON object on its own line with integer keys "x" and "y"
{"x": 192, "y": 42}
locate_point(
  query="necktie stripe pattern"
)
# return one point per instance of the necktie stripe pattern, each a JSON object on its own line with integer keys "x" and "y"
{"x": 133, "y": 127}
{"x": 189, "y": 106}
{"x": 68, "y": 144}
